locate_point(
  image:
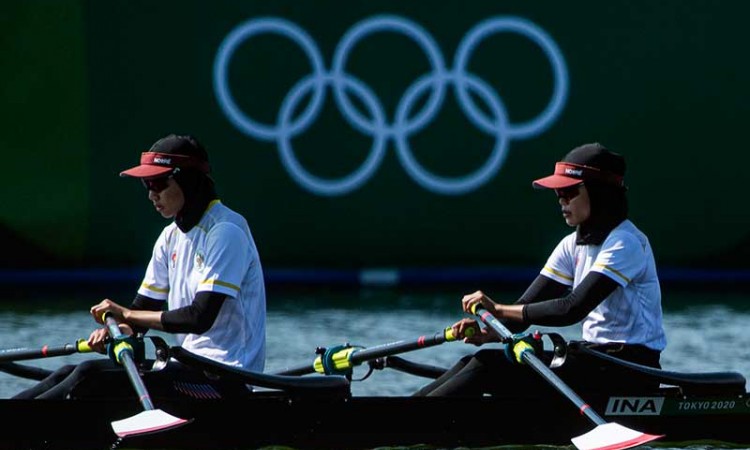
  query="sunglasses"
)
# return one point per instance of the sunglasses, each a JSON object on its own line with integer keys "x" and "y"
{"x": 156, "y": 184}
{"x": 569, "y": 193}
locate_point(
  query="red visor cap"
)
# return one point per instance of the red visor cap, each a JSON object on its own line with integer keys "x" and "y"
{"x": 155, "y": 164}
{"x": 569, "y": 174}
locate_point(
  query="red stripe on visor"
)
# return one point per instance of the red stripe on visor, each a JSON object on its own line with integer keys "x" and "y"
{"x": 582, "y": 173}
{"x": 169, "y": 160}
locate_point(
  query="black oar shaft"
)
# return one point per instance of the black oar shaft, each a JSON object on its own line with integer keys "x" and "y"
{"x": 348, "y": 356}
{"x": 127, "y": 359}
{"x": 531, "y": 360}
{"x": 393, "y": 348}
{"x": 21, "y": 353}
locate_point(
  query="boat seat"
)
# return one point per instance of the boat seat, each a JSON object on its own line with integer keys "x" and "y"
{"x": 328, "y": 385}
{"x": 689, "y": 382}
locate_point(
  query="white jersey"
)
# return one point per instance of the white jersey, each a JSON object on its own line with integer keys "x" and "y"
{"x": 632, "y": 314}
{"x": 216, "y": 255}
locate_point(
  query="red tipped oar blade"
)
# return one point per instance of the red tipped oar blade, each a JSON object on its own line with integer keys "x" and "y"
{"x": 612, "y": 436}
{"x": 149, "y": 421}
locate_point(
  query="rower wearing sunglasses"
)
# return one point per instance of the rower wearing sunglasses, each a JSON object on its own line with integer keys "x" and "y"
{"x": 204, "y": 282}
{"x": 603, "y": 275}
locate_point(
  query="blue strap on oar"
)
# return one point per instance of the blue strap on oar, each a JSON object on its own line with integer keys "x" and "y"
{"x": 120, "y": 344}
{"x": 329, "y": 365}
{"x": 521, "y": 343}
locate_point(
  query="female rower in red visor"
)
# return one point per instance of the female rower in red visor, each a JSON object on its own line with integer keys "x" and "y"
{"x": 602, "y": 275}
{"x": 204, "y": 282}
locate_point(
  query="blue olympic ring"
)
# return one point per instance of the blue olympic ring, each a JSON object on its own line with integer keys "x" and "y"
{"x": 405, "y": 123}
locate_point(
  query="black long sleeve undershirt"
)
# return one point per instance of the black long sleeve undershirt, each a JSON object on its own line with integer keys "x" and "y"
{"x": 144, "y": 303}
{"x": 196, "y": 318}
{"x": 547, "y": 304}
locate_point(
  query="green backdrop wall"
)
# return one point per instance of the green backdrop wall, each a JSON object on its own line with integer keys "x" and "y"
{"x": 373, "y": 133}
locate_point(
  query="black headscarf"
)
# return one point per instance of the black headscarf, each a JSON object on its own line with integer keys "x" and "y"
{"x": 199, "y": 191}
{"x": 609, "y": 207}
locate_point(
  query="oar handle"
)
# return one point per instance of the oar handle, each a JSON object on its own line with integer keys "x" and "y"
{"x": 535, "y": 363}
{"x": 82, "y": 346}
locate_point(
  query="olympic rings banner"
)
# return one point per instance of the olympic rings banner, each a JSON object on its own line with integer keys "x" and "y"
{"x": 398, "y": 129}
{"x": 364, "y": 133}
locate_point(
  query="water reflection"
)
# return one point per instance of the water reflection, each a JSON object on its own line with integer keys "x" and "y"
{"x": 705, "y": 332}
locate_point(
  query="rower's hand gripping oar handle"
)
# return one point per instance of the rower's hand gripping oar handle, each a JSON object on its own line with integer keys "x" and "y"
{"x": 449, "y": 336}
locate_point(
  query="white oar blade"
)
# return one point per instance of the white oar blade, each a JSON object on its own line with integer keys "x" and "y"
{"x": 612, "y": 436}
{"x": 149, "y": 421}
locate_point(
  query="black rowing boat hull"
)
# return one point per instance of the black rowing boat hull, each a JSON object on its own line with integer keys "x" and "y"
{"x": 331, "y": 422}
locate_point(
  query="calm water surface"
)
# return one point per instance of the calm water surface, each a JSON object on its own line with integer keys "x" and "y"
{"x": 706, "y": 332}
